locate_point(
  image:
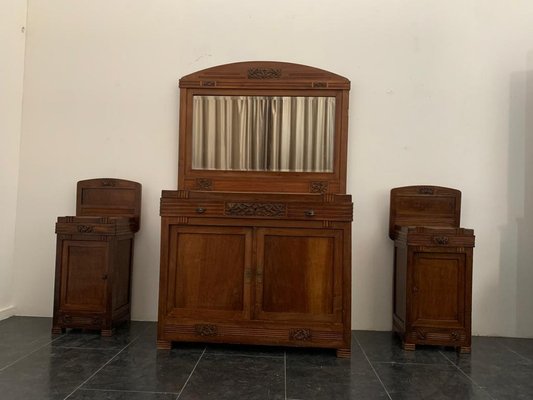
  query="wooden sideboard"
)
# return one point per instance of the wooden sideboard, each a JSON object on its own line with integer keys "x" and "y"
{"x": 255, "y": 269}
{"x": 256, "y": 241}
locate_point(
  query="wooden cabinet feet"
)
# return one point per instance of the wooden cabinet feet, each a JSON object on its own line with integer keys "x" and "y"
{"x": 164, "y": 344}
{"x": 57, "y": 330}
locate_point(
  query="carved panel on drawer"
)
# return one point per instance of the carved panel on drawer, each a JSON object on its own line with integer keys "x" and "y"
{"x": 300, "y": 334}
{"x": 256, "y": 209}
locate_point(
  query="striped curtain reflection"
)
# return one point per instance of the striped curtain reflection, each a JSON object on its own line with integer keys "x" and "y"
{"x": 263, "y": 133}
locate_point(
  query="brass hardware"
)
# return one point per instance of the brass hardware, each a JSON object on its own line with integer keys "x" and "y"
{"x": 310, "y": 213}
{"x": 200, "y": 210}
{"x": 259, "y": 276}
{"x": 247, "y": 275}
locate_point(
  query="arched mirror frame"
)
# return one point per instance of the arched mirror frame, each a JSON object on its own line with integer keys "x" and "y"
{"x": 263, "y": 78}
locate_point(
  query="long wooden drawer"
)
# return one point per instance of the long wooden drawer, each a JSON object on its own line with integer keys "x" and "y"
{"x": 94, "y": 226}
{"x": 231, "y": 205}
{"x": 427, "y": 236}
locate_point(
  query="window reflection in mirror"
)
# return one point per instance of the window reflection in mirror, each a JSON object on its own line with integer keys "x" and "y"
{"x": 263, "y": 133}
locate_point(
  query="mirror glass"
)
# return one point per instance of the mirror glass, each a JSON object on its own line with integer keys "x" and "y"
{"x": 263, "y": 133}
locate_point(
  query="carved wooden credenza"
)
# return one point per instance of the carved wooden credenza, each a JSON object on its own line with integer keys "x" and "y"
{"x": 94, "y": 256}
{"x": 432, "y": 267}
{"x": 258, "y": 251}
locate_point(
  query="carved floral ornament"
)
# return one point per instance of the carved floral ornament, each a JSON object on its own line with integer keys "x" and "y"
{"x": 108, "y": 183}
{"x": 256, "y": 209}
{"x": 85, "y": 228}
{"x": 426, "y": 190}
{"x": 206, "y": 330}
{"x": 300, "y": 334}
{"x": 318, "y": 187}
{"x": 264, "y": 73}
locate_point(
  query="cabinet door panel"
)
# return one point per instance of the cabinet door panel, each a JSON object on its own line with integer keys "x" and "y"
{"x": 299, "y": 274}
{"x": 439, "y": 289}
{"x": 83, "y": 275}
{"x": 209, "y": 271}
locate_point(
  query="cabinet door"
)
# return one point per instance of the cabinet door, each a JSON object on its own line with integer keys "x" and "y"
{"x": 299, "y": 274}
{"x": 209, "y": 272}
{"x": 84, "y": 269}
{"x": 438, "y": 289}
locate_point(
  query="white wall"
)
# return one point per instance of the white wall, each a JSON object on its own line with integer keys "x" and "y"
{"x": 439, "y": 96}
{"x": 12, "y": 39}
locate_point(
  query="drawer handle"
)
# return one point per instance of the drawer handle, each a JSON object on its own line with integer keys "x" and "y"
{"x": 200, "y": 210}
{"x": 441, "y": 239}
{"x": 104, "y": 277}
{"x": 310, "y": 213}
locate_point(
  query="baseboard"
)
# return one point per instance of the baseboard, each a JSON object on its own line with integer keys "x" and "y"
{"x": 7, "y": 312}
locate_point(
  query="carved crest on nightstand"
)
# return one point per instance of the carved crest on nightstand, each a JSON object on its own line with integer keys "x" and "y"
{"x": 85, "y": 228}
{"x": 426, "y": 190}
{"x": 108, "y": 182}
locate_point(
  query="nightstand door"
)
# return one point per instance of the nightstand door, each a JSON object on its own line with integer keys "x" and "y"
{"x": 84, "y": 275}
{"x": 438, "y": 289}
{"x": 299, "y": 274}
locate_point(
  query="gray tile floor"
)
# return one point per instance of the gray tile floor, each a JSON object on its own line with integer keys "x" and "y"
{"x": 127, "y": 366}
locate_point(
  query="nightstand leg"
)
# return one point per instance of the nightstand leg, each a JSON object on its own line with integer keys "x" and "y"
{"x": 344, "y": 353}
{"x": 409, "y": 346}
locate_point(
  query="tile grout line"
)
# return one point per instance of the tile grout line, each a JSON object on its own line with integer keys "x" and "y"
{"x": 467, "y": 377}
{"x": 371, "y": 366}
{"x": 219, "y": 353}
{"x": 30, "y": 353}
{"x": 123, "y": 391}
{"x": 102, "y": 367}
{"x": 192, "y": 372}
{"x": 517, "y": 353}
{"x": 285, "y": 371}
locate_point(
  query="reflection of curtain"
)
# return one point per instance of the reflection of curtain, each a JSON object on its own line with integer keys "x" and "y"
{"x": 267, "y": 133}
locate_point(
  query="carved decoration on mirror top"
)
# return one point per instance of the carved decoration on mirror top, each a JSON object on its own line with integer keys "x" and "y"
{"x": 264, "y": 73}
